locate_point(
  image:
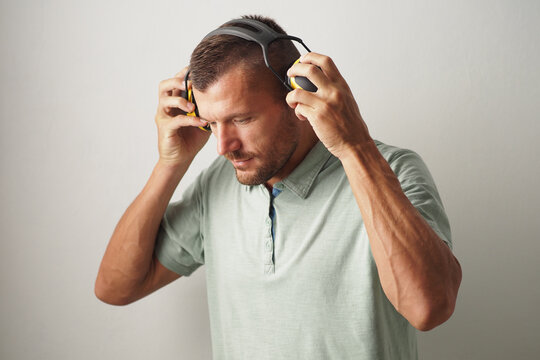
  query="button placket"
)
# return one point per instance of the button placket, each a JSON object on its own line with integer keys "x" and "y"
{"x": 269, "y": 252}
{"x": 269, "y": 245}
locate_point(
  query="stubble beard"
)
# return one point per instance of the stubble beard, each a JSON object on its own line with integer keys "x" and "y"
{"x": 276, "y": 162}
{"x": 284, "y": 146}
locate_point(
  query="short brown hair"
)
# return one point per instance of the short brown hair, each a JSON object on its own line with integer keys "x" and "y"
{"x": 214, "y": 56}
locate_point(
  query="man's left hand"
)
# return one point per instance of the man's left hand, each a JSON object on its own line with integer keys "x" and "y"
{"x": 332, "y": 111}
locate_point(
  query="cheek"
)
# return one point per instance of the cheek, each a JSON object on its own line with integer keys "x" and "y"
{"x": 256, "y": 136}
{"x": 266, "y": 133}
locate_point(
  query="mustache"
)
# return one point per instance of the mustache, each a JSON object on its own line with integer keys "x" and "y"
{"x": 238, "y": 155}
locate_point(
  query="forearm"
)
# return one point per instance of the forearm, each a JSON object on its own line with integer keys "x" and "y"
{"x": 128, "y": 257}
{"x": 418, "y": 272}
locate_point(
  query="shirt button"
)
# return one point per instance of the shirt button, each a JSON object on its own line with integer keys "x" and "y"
{"x": 268, "y": 221}
{"x": 268, "y": 246}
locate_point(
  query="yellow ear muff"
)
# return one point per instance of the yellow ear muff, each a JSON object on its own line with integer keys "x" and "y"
{"x": 301, "y": 82}
{"x": 292, "y": 80}
{"x": 194, "y": 112}
{"x": 190, "y": 99}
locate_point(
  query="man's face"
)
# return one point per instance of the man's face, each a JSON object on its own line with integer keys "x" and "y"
{"x": 255, "y": 131}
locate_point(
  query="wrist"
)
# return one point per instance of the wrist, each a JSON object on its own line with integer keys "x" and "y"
{"x": 165, "y": 177}
{"x": 173, "y": 165}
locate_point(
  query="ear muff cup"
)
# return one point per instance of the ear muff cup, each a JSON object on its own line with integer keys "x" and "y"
{"x": 301, "y": 82}
{"x": 188, "y": 95}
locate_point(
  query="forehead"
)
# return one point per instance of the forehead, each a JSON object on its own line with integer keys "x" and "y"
{"x": 235, "y": 92}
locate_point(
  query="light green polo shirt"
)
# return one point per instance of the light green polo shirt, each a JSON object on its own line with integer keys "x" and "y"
{"x": 312, "y": 293}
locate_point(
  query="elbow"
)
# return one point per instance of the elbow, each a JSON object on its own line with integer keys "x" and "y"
{"x": 110, "y": 300}
{"x": 438, "y": 309}
{"x": 108, "y": 295}
{"x": 428, "y": 317}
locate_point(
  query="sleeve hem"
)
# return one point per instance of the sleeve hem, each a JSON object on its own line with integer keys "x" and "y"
{"x": 439, "y": 233}
{"x": 170, "y": 264}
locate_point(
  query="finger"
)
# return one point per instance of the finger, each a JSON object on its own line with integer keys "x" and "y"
{"x": 182, "y": 73}
{"x": 326, "y": 64}
{"x": 310, "y": 71}
{"x": 179, "y": 121}
{"x": 190, "y": 121}
{"x": 169, "y": 102}
{"x": 166, "y": 87}
{"x": 300, "y": 96}
{"x": 303, "y": 112}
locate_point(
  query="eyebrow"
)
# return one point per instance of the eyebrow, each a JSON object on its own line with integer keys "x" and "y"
{"x": 235, "y": 116}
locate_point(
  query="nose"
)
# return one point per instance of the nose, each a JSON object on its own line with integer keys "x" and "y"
{"x": 227, "y": 139}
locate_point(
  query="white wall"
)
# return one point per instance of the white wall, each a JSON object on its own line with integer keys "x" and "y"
{"x": 457, "y": 81}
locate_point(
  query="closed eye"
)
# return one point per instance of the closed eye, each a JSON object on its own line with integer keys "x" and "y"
{"x": 242, "y": 121}
{"x": 235, "y": 122}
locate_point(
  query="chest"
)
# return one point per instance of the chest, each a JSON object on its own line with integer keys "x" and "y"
{"x": 253, "y": 235}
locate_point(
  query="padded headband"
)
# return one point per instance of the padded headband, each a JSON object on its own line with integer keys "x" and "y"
{"x": 262, "y": 35}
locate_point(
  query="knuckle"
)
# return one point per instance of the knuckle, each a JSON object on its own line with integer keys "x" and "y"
{"x": 312, "y": 70}
{"x": 291, "y": 96}
{"x": 335, "y": 96}
{"x": 180, "y": 74}
{"x": 160, "y": 108}
{"x": 327, "y": 61}
{"x": 164, "y": 102}
{"x": 294, "y": 94}
{"x": 161, "y": 85}
{"x": 326, "y": 108}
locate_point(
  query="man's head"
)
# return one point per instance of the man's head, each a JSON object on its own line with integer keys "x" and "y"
{"x": 215, "y": 55}
{"x": 245, "y": 106}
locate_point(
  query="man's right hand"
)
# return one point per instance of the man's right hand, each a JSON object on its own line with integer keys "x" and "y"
{"x": 179, "y": 138}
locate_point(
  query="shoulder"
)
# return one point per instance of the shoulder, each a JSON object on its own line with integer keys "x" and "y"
{"x": 220, "y": 174}
{"x": 393, "y": 153}
{"x": 403, "y": 162}
{"x": 220, "y": 166}
{"x": 418, "y": 185}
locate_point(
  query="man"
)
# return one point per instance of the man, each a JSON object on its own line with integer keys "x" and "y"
{"x": 319, "y": 242}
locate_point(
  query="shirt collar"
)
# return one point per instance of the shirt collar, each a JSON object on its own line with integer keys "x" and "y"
{"x": 303, "y": 176}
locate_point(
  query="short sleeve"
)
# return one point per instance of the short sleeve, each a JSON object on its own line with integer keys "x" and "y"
{"x": 419, "y": 187}
{"x": 179, "y": 243}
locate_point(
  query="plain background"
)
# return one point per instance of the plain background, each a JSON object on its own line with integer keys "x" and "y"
{"x": 456, "y": 81}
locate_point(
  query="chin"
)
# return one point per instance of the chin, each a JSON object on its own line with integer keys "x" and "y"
{"x": 249, "y": 179}
{"x": 255, "y": 177}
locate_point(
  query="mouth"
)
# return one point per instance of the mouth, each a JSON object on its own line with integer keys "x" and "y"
{"x": 239, "y": 164}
